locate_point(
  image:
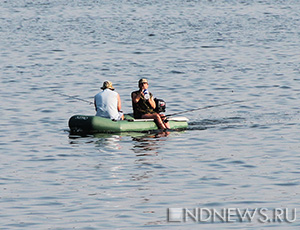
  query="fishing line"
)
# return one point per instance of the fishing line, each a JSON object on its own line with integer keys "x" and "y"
{"x": 73, "y": 97}
{"x": 205, "y": 107}
{"x": 168, "y": 115}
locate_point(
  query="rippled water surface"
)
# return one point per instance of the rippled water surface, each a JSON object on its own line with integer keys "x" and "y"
{"x": 195, "y": 54}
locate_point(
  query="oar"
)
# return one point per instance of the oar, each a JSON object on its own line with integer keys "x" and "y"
{"x": 205, "y": 107}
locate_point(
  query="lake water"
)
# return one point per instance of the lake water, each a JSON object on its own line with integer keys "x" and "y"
{"x": 194, "y": 54}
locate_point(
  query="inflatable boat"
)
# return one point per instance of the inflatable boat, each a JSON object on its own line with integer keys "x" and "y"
{"x": 96, "y": 124}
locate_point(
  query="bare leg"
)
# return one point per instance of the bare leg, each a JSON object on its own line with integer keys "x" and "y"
{"x": 167, "y": 125}
{"x": 156, "y": 118}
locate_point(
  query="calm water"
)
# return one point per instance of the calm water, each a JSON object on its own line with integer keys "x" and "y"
{"x": 195, "y": 54}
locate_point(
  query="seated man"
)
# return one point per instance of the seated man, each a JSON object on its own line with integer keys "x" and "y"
{"x": 143, "y": 105}
{"x": 108, "y": 103}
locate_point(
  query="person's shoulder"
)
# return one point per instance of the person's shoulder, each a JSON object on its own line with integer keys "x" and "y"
{"x": 109, "y": 91}
{"x": 98, "y": 94}
{"x": 112, "y": 92}
{"x": 135, "y": 92}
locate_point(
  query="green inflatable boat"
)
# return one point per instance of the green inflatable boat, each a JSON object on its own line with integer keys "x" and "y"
{"x": 96, "y": 124}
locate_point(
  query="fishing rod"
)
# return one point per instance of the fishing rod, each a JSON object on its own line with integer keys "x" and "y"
{"x": 205, "y": 107}
{"x": 73, "y": 97}
{"x": 168, "y": 115}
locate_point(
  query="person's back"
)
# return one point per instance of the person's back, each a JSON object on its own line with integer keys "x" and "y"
{"x": 108, "y": 103}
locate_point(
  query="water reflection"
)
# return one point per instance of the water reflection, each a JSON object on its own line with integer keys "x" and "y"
{"x": 148, "y": 143}
{"x": 110, "y": 142}
{"x": 142, "y": 142}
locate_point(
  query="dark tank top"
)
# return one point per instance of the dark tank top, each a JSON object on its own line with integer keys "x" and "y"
{"x": 141, "y": 107}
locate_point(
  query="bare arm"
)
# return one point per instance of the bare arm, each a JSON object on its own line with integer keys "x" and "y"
{"x": 152, "y": 102}
{"x": 136, "y": 96}
{"x": 119, "y": 103}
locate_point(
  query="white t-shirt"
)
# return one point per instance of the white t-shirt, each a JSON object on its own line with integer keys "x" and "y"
{"x": 107, "y": 104}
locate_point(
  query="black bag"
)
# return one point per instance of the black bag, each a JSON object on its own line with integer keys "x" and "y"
{"x": 160, "y": 105}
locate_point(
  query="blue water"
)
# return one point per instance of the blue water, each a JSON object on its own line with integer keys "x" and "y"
{"x": 194, "y": 54}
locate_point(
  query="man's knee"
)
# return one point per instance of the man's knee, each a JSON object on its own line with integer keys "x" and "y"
{"x": 156, "y": 116}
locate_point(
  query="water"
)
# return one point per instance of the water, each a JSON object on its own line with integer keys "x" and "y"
{"x": 194, "y": 54}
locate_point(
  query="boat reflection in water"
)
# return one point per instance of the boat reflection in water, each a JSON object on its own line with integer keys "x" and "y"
{"x": 141, "y": 141}
{"x": 139, "y": 155}
{"x": 148, "y": 143}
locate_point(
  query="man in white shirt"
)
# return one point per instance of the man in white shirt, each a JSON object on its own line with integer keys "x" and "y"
{"x": 108, "y": 103}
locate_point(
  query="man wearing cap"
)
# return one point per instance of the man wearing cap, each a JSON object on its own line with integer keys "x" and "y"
{"x": 108, "y": 103}
{"x": 143, "y": 105}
